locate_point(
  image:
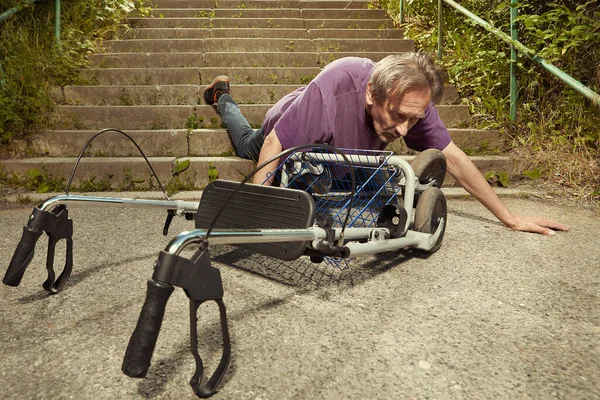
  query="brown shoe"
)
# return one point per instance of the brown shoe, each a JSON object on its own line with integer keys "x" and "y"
{"x": 213, "y": 91}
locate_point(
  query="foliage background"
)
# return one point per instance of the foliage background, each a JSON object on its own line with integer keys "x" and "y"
{"x": 557, "y": 132}
{"x": 31, "y": 64}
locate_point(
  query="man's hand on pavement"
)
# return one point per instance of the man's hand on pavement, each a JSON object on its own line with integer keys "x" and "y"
{"x": 536, "y": 225}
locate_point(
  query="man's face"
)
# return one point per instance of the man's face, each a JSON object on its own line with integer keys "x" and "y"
{"x": 390, "y": 124}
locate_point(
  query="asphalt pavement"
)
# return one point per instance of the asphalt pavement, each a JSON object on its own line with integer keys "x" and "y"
{"x": 494, "y": 314}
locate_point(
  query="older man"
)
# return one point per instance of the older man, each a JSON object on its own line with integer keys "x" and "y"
{"x": 356, "y": 103}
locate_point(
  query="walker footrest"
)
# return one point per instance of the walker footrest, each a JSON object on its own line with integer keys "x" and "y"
{"x": 258, "y": 207}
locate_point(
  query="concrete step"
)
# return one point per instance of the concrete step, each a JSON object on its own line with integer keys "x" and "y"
{"x": 334, "y": 4}
{"x": 119, "y": 172}
{"x": 318, "y": 22}
{"x": 165, "y": 94}
{"x": 267, "y": 13}
{"x": 179, "y": 117}
{"x": 198, "y": 142}
{"x": 205, "y": 75}
{"x": 291, "y": 33}
{"x": 253, "y": 23}
{"x": 264, "y": 4}
{"x": 216, "y": 59}
{"x": 257, "y": 45}
{"x": 156, "y": 143}
{"x": 225, "y": 4}
{"x": 180, "y": 94}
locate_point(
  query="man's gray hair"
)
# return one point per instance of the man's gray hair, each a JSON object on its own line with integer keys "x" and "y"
{"x": 396, "y": 74}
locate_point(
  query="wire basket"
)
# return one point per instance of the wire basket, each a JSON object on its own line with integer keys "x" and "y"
{"x": 328, "y": 178}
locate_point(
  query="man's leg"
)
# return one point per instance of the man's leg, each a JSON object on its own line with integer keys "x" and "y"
{"x": 246, "y": 141}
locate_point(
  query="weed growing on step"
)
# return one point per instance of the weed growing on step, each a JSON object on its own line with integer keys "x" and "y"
{"x": 213, "y": 174}
{"x": 306, "y": 79}
{"x": 24, "y": 199}
{"x": 125, "y": 98}
{"x": 92, "y": 185}
{"x": 129, "y": 182}
{"x": 38, "y": 180}
{"x": 215, "y": 123}
{"x": 498, "y": 178}
{"x": 194, "y": 122}
{"x": 227, "y": 153}
{"x": 177, "y": 184}
{"x": 157, "y": 126}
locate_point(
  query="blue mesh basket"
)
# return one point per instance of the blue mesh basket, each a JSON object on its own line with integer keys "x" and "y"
{"x": 328, "y": 178}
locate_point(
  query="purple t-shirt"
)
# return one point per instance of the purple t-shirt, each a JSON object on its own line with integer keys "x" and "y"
{"x": 332, "y": 109}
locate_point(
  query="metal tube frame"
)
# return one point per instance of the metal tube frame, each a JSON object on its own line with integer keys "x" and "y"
{"x": 378, "y": 239}
{"x": 178, "y": 205}
{"x": 314, "y": 235}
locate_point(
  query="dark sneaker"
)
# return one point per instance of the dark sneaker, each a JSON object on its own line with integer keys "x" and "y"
{"x": 213, "y": 91}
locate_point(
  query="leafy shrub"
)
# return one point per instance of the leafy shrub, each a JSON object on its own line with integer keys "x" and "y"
{"x": 31, "y": 63}
{"x": 565, "y": 33}
{"x": 551, "y": 115}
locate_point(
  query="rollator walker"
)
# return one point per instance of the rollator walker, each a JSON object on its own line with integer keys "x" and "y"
{"x": 322, "y": 203}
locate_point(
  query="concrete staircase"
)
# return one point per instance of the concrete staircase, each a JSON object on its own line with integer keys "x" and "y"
{"x": 149, "y": 83}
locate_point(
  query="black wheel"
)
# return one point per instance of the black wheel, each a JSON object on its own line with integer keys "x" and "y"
{"x": 431, "y": 209}
{"x": 430, "y": 166}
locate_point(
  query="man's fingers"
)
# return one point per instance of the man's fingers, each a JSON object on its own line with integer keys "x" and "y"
{"x": 538, "y": 228}
{"x": 558, "y": 226}
{"x": 548, "y": 223}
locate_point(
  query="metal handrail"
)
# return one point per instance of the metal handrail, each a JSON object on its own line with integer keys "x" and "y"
{"x": 515, "y": 45}
{"x": 8, "y": 13}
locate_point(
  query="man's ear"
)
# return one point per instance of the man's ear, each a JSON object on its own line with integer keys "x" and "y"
{"x": 369, "y": 95}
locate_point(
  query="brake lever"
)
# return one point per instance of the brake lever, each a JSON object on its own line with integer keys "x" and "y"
{"x": 170, "y": 215}
{"x": 57, "y": 225}
{"x": 201, "y": 282}
{"x": 209, "y": 388}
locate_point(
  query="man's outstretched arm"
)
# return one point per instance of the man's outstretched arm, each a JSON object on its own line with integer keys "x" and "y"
{"x": 470, "y": 178}
{"x": 271, "y": 147}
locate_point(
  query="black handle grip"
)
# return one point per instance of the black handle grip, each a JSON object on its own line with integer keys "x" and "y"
{"x": 22, "y": 257}
{"x": 142, "y": 342}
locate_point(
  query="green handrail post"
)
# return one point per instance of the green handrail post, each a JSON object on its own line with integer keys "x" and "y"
{"x": 2, "y": 77}
{"x": 57, "y": 21}
{"x": 514, "y": 11}
{"x": 401, "y": 16}
{"x": 440, "y": 29}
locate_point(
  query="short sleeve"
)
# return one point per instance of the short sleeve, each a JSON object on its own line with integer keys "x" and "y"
{"x": 429, "y": 132}
{"x": 305, "y": 121}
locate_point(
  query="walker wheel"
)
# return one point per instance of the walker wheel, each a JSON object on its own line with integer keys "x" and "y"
{"x": 430, "y": 166}
{"x": 431, "y": 208}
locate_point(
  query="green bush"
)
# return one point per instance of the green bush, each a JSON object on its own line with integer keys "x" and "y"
{"x": 31, "y": 63}
{"x": 550, "y": 113}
